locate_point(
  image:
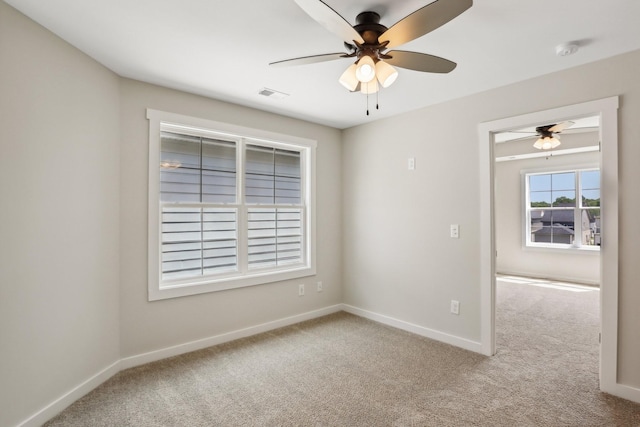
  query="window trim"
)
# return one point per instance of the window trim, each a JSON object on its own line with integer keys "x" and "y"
{"x": 241, "y": 279}
{"x": 527, "y": 244}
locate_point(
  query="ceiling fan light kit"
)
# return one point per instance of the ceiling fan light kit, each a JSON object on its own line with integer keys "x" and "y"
{"x": 365, "y": 70}
{"x": 369, "y": 41}
{"x": 386, "y": 74}
{"x": 548, "y": 139}
{"x": 369, "y": 87}
{"x": 546, "y": 143}
{"x": 348, "y": 79}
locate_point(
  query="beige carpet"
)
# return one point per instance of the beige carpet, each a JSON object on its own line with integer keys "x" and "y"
{"x": 342, "y": 370}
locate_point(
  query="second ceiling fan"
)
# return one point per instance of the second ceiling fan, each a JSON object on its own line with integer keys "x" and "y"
{"x": 369, "y": 42}
{"x": 547, "y": 135}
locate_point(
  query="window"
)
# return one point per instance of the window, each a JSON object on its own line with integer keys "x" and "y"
{"x": 563, "y": 209}
{"x": 228, "y": 206}
{"x": 273, "y": 178}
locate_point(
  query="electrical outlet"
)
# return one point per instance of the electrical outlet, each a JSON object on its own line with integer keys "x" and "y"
{"x": 301, "y": 290}
{"x": 411, "y": 163}
{"x": 455, "y": 306}
{"x": 455, "y": 231}
{"x": 319, "y": 285}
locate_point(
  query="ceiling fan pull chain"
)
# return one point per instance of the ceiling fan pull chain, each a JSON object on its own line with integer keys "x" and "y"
{"x": 367, "y": 98}
{"x": 377, "y": 100}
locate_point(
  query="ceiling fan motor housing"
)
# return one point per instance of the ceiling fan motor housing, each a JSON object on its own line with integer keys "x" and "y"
{"x": 544, "y": 131}
{"x": 369, "y": 27}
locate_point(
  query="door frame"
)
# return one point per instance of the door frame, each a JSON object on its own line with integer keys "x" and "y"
{"x": 607, "y": 109}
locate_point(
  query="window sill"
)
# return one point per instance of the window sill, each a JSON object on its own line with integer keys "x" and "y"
{"x": 563, "y": 249}
{"x": 222, "y": 284}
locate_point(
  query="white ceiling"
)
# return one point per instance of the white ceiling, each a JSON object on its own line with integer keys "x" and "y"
{"x": 222, "y": 48}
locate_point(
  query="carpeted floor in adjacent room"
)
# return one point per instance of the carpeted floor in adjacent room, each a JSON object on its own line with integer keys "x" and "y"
{"x": 342, "y": 370}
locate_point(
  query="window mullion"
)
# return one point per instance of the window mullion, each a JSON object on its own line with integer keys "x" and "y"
{"x": 527, "y": 201}
{"x": 240, "y": 167}
{"x": 201, "y": 240}
{"x": 277, "y": 211}
{"x": 242, "y": 234}
{"x": 201, "y": 215}
{"x": 201, "y": 174}
{"x": 577, "y": 213}
{"x": 274, "y": 174}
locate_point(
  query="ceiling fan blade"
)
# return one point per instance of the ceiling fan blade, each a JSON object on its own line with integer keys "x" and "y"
{"x": 308, "y": 59}
{"x": 423, "y": 21}
{"x": 511, "y": 137}
{"x": 420, "y": 62}
{"x": 531, "y": 132}
{"x": 581, "y": 129}
{"x": 330, "y": 19}
{"x": 560, "y": 126}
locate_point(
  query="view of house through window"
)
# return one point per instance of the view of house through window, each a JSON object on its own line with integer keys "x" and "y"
{"x": 563, "y": 208}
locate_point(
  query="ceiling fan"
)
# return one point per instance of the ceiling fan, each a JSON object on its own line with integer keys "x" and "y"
{"x": 547, "y": 135}
{"x": 368, "y": 41}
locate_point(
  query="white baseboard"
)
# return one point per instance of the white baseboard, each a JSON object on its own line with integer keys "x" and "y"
{"x": 558, "y": 278}
{"x": 76, "y": 393}
{"x": 416, "y": 329}
{"x": 624, "y": 391}
{"x": 58, "y": 405}
{"x": 152, "y": 356}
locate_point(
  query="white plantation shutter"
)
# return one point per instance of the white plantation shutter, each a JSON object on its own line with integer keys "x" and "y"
{"x": 197, "y": 241}
{"x": 275, "y": 234}
{"x": 229, "y": 206}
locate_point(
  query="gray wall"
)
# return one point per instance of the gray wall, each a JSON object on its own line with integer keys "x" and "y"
{"x": 148, "y": 326}
{"x": 59, "y": 237}
{"x": 398, "y": 258}
{"x": 513, "y": 257}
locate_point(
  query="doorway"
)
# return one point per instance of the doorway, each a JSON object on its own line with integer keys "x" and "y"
{"x": 606, "y": 110}
{"x": 547, "y": 202}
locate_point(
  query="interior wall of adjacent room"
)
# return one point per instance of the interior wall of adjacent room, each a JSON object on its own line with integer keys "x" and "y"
{"x": 59, "y": 186}
{"x": 148, "y": 326}
{"x": 513, "y": 257}
{"x": 398, "y": 257}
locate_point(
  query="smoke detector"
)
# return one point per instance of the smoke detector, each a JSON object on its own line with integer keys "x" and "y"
{"x": 566, "y": 49}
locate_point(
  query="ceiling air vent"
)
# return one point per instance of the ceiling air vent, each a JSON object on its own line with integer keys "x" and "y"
{"x": 272, "y": 93}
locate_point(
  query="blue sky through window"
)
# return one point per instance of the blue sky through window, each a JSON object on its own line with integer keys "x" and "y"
{"x": 547, "y": 188}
